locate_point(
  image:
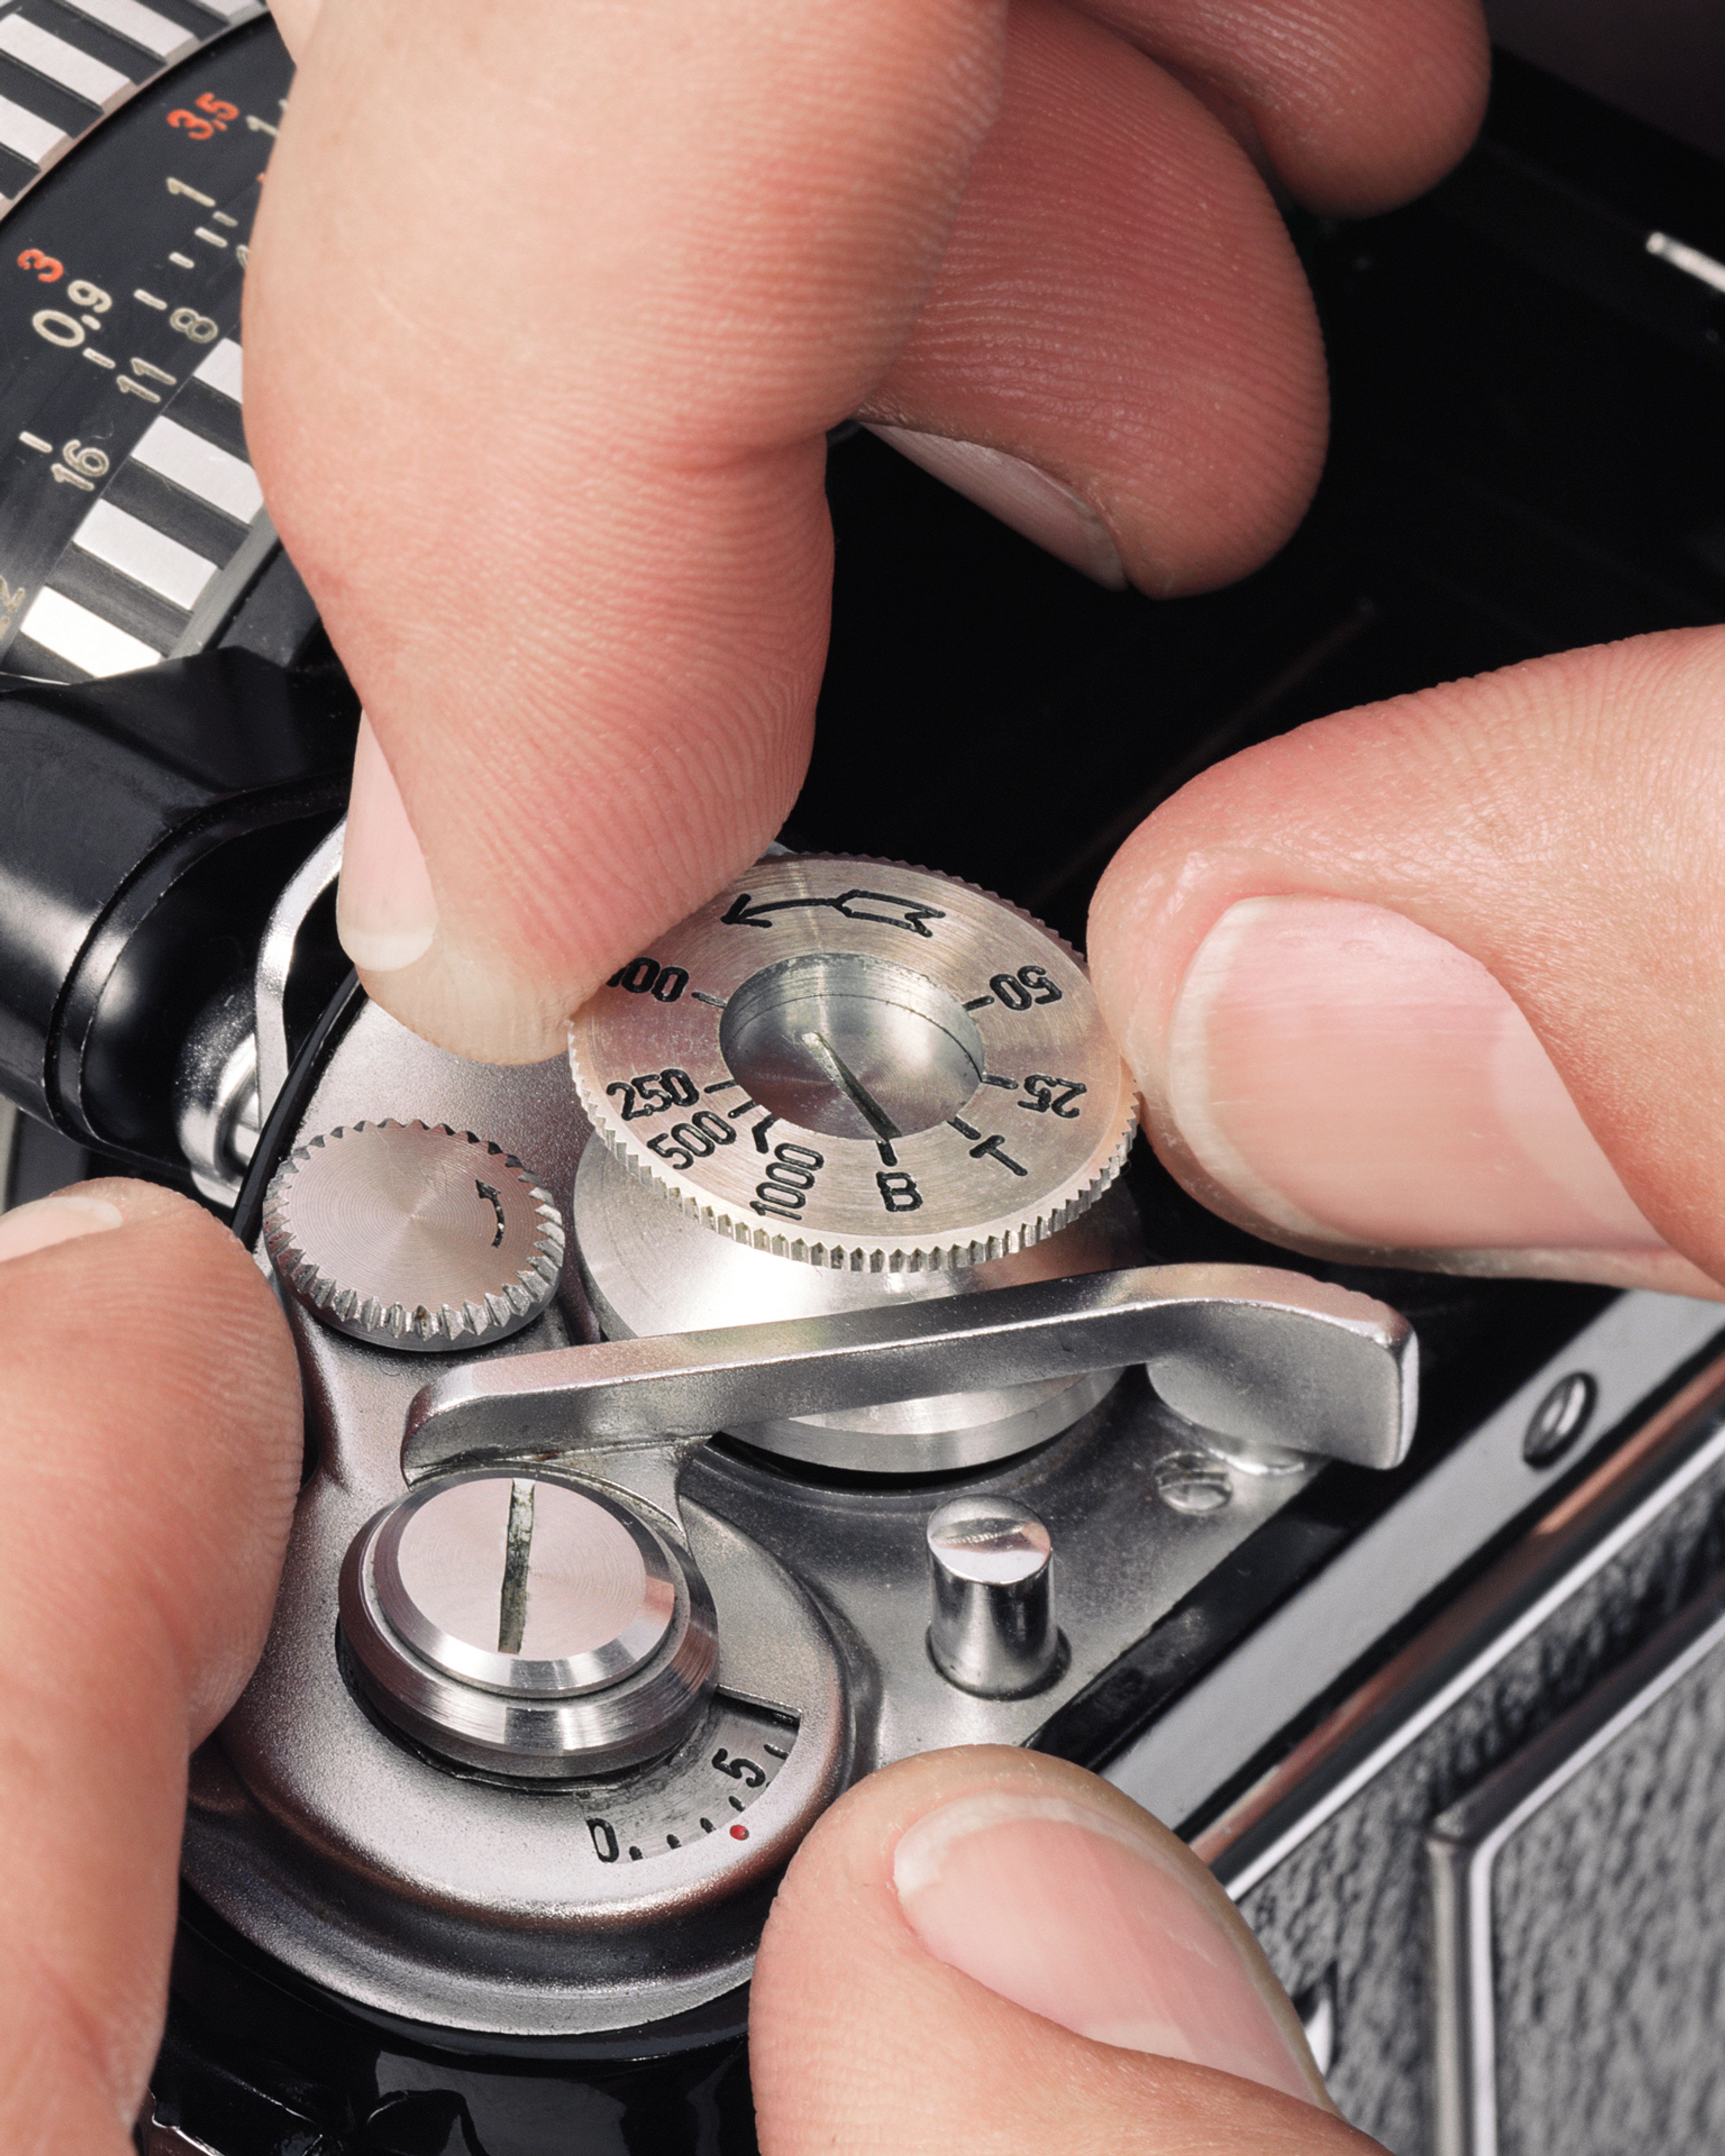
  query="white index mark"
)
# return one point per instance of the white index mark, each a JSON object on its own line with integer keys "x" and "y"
{"x": 215, "y": 238}
{"x": 150, "y": 299}
{"x": 36, "y": 442}
{"x": 184, "y": 261}
{"x": 221, "y": 218}
{"x": 96, "y": 358}
{"x": 223, "y": 369}
{"x": 148, "y": 557}
{"x": 27, "y": 133}
{"x": 82, "y": 638}
{"x": 215, "y": 476}
{"x": 1689, "y": 260}
{"x": 138, "y": 25}
{"x": 44, "y": 54}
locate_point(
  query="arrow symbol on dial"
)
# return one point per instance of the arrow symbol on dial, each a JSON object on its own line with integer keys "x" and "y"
{"x": 909, "y": 914}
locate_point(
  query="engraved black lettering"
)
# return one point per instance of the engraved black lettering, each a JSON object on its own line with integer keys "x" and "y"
{"x": 1019, "y": 991}
{"x": 604, "y": 1840}
{"x": 898, "y": 1193}
{"x": 994, "y": 1148}
{"x": 1045, "y": 1096}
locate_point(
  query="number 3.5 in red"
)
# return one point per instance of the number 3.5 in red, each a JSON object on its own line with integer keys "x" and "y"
{"x": 212, "y": 117}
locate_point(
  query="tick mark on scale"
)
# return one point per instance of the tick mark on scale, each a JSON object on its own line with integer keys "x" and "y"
{"x": 724, "y": 1086}
{"x": 700, "y": 996}
{"x": 978, "y": 1002}
{"x": 963, "y": 1129}
{"x": 1010, "y": 1084}
{"x": 736, "y": 1805}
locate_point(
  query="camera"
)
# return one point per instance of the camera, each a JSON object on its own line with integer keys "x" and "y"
{"x": 811, "y": 1370}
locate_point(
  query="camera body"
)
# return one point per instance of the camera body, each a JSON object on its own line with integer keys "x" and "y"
{"x": 1446, "y": 1720}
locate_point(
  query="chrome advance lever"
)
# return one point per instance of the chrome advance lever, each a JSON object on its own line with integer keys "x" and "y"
{"x": 1270, "y": 1363}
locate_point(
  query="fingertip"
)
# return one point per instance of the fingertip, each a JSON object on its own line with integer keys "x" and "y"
{"x": 1031, "y": 1954}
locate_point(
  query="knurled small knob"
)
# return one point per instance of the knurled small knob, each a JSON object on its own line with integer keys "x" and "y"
{"x": 413, "y": 1236}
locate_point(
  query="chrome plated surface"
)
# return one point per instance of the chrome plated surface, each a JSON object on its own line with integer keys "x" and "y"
{"x": 1205, "y": 1739}
{"x": 216, "y": 1111}
{"x": 1247, "y": 1351}
{"x": 649, "y": 1269}
{"x": 529, "y": 1626}
{"x": 463, "y": 1902}
{"x": 413, "y": 1236}
{"x": 275, "y": 961}
{"x": 991, "y": 1565}
{"x": 859, "y": 1065}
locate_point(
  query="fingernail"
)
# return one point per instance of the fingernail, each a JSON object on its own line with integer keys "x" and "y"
{"x": 1348, "y": 1075}
{"x": 385, "y": 912}
{"x": 46, "y": 1221}
{"x": 1068, "y": 1912}
{"x": 1043, "y": 509}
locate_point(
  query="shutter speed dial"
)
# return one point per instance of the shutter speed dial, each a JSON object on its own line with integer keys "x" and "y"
{"x": 864, "y": 1066}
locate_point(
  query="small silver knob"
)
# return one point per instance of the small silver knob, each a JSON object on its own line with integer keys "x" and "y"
{"x": 412, "y": 1236}
{"x": 527, "y": 1625}
{"x": 994, "y": 1629}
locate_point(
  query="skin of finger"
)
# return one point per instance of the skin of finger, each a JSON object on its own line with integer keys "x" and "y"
{"x": 150, "y": 1426}
{"x": 1562, "y": 822}
{"x": 295, "y": 19}
{"x": 1120, "y": 305}
{"x": 860, "y": 2039}
{"x": 550, "y": 305}
{"x": 1359, "y": 105}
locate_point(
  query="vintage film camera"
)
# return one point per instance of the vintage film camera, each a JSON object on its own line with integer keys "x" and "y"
{"x": 1020, "y": 1445}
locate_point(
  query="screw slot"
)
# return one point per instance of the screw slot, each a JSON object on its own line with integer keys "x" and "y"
{"x": 1195, "y": 1483}
{"x": 1559, "y": 1420}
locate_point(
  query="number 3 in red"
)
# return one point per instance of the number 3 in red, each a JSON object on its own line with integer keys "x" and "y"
{"x": 48, "y": 271}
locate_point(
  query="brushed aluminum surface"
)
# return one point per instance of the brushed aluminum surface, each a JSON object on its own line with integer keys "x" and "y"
{"x": 858, "y": 1065}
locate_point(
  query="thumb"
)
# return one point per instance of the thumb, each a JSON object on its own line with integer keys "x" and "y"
{"x": 989, "y": 1950}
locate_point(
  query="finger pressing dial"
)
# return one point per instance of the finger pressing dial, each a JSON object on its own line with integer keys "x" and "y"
{"x": 860, "y": 1064}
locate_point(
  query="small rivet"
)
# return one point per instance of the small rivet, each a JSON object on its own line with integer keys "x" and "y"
{"x": 1559, "y": 1419}
{"x": 1193, "y": 1482}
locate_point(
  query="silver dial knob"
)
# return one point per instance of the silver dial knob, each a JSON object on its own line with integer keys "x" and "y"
{"x": 413, "y": 1236}
{"x": 862, "y": 1066}
{"x": 990, "y": 1564}
{"x": 529, "y": 1625}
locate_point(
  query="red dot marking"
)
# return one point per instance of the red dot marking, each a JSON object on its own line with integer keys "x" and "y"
{"x": 739, "y": 1833}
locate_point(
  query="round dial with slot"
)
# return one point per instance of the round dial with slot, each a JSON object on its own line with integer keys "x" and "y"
{"x": 860, "y": 1065}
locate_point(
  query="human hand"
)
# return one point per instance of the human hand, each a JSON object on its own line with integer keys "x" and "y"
{"x": 992, "y": 1951}
{"x": 549, "y": 307}
{"x": 150, "y": 1434}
